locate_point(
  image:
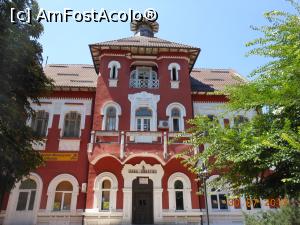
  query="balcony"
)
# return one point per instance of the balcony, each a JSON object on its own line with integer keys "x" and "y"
{"x": 164, "y": 143}
{"x": 144, "y": 83}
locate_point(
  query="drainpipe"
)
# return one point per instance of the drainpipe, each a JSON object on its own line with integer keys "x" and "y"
{"x": 122, "y": 145}
{"x": 165, "y": 145}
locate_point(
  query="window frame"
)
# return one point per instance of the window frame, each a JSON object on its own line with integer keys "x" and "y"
{"x": 76, "y": 126}
{"x": 180, "y": 118}
{"x": 186, "y": 191}
{"x": 62, "y": 198}
{"x": 103, "y": 112}
{"x": 44, "y": 120}
{"x": 52, "y": 190}
{"x": 114, "y": 67}
{"x": 98, "y": 191}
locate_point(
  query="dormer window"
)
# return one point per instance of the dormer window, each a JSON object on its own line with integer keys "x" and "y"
{"x": 174, "y": 74}
{"x": 114, "y": 67}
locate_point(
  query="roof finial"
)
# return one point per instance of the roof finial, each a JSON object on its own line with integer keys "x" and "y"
{"x": 144, "y": 28}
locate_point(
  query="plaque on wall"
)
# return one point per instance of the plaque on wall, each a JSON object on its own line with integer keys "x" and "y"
{"x": 143, "y": 180}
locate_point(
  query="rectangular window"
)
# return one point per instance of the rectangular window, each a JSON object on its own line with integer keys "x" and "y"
{"x": 22, "y": 201}
{"x": 105, "y": 200}
{"x": 67, "y": 201}
{"x": 31, "y": 201}
{"x": 111, "y": 123}
{"x": 146, "y": 124}
{"x": 179, "y": 200}
{"x": 57, "y": 201}
{"x": 223, "y": 201}
{"x": 214, "y": 201}
{"x": 174, "y": 74}
{"x": 139, "y": 124}
{"x": 175, "y": 124}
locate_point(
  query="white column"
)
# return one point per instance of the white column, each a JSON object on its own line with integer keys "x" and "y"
{"x": 122, "y": 145}
{"x": 157, "y": 204}
{"x": 127, "y": 205}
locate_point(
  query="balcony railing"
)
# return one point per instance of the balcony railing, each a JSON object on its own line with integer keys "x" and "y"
{"x": 135, "y": 137}
{"x": 144, "y": 83}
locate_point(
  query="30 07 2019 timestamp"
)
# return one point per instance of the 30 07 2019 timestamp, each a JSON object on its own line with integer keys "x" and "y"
{"x": 255, "y": 203}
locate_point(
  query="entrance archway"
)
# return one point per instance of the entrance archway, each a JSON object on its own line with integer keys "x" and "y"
{"x": 142, "y": 201}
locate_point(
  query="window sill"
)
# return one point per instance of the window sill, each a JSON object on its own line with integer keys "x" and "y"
{"x": 70, "y": 138}
{"x": 69, "y": 144}
{"x": 112, "y": 82}
{"x": 175, "y": 84}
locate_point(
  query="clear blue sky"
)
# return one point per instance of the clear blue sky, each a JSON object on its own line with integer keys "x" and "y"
{"x": 219, "y": 27}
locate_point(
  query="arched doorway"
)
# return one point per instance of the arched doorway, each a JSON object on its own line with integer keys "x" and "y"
{"x": 142, "y": 201}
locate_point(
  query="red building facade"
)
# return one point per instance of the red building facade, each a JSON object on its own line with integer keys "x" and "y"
{"x": 108, "y": 127}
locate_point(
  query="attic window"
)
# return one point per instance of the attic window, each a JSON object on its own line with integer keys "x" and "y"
{"x": 60, "y": 66}
{"x": 68, "y": 74}
{"x": 82, "y": 81}
{"x": 162, "y": 42}
{"x": 214, "y": 79}
{"x": 219, "y": 71}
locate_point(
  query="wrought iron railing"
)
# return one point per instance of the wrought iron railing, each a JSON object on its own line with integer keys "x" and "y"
{"x": 143, "y": 83}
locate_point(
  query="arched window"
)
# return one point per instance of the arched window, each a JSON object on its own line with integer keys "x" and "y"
{"x": 62, "y": 193}
{"x": 174, "y": 71}
{"x": 72, "y": 124}
{"x": 114, "y": 72}
{"x": 176, "y": 113}
{"x": 110, "y": 112}
{"x": 178, "y": 186}
{"x": 27, "y": 195}
{"x": 63, "y": 196}
{"x": 105, "y": 191}
{"x": 179, "y": 189}
{"x": 174, "y": 74}
{"x": 111, "y": 118}
{"x": 114, "y": 66}
{"x": 105, "y": 200}
{"x": 39, "y": 123}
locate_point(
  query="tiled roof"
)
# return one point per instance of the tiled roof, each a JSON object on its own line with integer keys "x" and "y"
{"x": 72, "y": 75}
{"x": 142, "y": 41}
{"x": 209, "y": 80}
{"x": 142, "y": 45}
{"x": 84, "y": 76}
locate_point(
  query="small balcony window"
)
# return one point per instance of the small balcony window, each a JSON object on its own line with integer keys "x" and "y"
{"x": 143, "y": 77}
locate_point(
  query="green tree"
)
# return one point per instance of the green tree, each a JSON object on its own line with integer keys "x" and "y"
{"x": 21, "y": 80}
{"x": 260, "y": 157}
{"x": 285, "y": 216}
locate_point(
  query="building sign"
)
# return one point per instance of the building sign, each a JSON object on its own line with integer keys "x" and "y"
{"x": 143, "y": 170}
{"x": 143, "y": 180}
{"x": 60, "y": 156}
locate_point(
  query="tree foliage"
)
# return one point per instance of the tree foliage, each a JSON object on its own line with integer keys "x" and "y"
{"x": 260, "y": 157}
{"x": 286, "y": 215}
{"x": 21, "y": 80}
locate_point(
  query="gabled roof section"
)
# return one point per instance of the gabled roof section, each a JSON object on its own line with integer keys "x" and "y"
{"x": 210, "y": 80}
{"x": 140, "y": 45}
{"x": 77, "y": 76}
